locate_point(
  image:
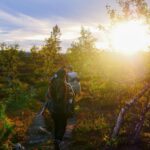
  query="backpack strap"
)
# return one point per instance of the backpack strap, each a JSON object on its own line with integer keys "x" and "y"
{"x": 70, "y": 88}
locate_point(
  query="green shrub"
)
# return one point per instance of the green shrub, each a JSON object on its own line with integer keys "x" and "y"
{"x": 19, "y": 96}
{"x": 6, "y": 128}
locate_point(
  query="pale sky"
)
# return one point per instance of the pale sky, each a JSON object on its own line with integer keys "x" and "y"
{"x": 29, "y": 22}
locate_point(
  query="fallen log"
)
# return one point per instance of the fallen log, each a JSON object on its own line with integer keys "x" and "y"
{"x": 126, "y": 108}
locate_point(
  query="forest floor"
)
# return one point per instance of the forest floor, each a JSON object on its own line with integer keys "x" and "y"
{"x": 94, "y": 124}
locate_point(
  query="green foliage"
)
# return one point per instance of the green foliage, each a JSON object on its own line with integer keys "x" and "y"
{"x": 20, "y": 96}
{"x": 6, "y": 127}
{"x": 129, "y": 9}
{"x": 82, "y": 51}
{"x": 9, "y": 61}
{"x": 85, "y": 43}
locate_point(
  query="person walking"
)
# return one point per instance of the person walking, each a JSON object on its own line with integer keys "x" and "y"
{"x": 60, "y": 98}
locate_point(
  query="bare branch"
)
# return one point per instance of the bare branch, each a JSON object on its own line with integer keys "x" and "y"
{"x": 126, "y": 108}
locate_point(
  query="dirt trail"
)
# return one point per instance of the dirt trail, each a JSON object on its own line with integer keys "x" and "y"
{"x": 40, "y": 138}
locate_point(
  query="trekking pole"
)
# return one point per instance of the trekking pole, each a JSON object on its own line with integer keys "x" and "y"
{"x": 43, "y": 108}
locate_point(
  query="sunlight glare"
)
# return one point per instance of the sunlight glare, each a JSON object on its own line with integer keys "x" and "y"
{"x": 130, "y": 37}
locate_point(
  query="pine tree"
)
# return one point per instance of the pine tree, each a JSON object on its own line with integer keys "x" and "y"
{"x": 9, "y": 62}
{"x": 82, "y": 51}
{"x": 50, "y": 51}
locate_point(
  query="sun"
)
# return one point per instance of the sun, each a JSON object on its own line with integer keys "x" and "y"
{"x": 130, "y": 37}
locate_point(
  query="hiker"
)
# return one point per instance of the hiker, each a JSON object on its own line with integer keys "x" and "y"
{"x": 73, "y": 80}
{"x": 60, "y": 98}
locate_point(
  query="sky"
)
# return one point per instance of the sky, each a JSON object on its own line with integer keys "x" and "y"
{"x": 29, "y": 22}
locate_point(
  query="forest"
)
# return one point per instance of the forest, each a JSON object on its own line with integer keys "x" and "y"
{"x": 113, "y": 107}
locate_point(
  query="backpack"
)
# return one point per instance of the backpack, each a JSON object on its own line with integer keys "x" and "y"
{"x": 73, "y": 79}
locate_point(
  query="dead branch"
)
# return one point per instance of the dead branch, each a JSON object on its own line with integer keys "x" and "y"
{"x": 126, "y": 108}
{"x": 139, "y": 125}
